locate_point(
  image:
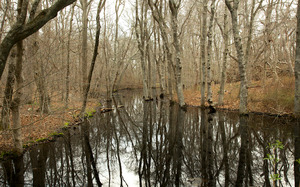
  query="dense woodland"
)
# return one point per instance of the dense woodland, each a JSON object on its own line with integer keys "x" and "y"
{"x": 73, "y": 50}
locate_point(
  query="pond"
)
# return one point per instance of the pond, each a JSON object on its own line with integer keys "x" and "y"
{"x": 155, "y": 143}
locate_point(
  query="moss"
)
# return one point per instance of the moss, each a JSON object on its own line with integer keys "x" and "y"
{"x": 41, "y": 140}
{"x": 27, "y": 144}
{"x": 66, "y": 125}
{"x": 89, "y": 113}
{"x": 56, "y": 134}
{"x": 8, "y": 154}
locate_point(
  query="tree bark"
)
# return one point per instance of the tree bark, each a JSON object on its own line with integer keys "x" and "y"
{"x": 84, "y": 6}
{"x": 8, "y": 93}
{"x": 209, "y": 51}
{"x": 250, "y": 31}
{"x": 95, "y": 54}
{"x": 4, "y": 19}
{"x": 174, "y": 7}
{"x": 297, "y": 66}
{"x": 148, "y": 54}
{"x": 68, "y": 58}
{"x": 15, "y": 105}
{"x": 157, "y": 15}
{"x": 203, "y": 51}
{"x": 240, "y": 55}
{"x": 40, "y": 77}
{"x": 225, "y": 55}
{"x": 159, "y": 61}
{"x": 268, "y": 41}
{"x": 140, "y": 31}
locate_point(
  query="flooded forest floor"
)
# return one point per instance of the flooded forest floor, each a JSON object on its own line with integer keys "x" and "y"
{"x": 270, "y": 97}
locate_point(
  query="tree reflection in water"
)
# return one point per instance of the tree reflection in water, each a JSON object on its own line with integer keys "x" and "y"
{"x": 155, "y": 143}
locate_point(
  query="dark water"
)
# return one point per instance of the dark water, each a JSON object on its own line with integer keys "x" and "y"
{"x": 158, "y": 144}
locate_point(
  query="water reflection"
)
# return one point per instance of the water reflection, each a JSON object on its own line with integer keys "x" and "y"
{"x": 158, "y": 144}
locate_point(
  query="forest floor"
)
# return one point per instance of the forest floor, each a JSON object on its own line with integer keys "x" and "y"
{"x": 271, "y": 97}
{"x": 38, "y": 128}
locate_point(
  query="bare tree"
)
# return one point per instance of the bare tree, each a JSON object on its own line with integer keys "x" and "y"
{"x": 225, "y": 57}
{"x": 233, "y": 9}
{"x": 95, "y": 53}
{"x": 21, "y": 31}
{"x": 85, "y": 4}
{"x": 140, "y": 31}
{"x": 40, "y": 77}
{"x": 68, "y": 57}
{"x": 159, "y": 60}
{"x": 297, "y": 66}
{"x": 268, "y": 41}
{"x": 174, "y": 7}
{"x": 177, "y": 67}
{"x": 203, "y": 51}
{"x": 4, "y": 17}
{"x": 8, "y": 93}
{"x": 253, "y": 13}
{"x": 209, "y": 51}
{"x": 15, "y": 104}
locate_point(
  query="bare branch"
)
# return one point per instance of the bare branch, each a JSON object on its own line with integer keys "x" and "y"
{"x": 19, "y": 31}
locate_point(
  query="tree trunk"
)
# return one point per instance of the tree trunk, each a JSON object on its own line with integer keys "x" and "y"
{"x": 209, "y": 51}
{"x": 21, "y": 31}
{"x": 203, "y": 51}
{"x": 297, "y": 66}
{"x": 100, "y": 6}
{"x": 174, "y": 23}
{"x": 4, "y": 17}
{"x": 8, "y": 93}
{"x": 40, "y": 80}
{"x": 240, "y": 56}
{"x": 148, "y": 54}
{"x": 39, "y": 75}
{"x": 157, "y": 15}
{"x": 68, "y": 58}
{"x": 170, "y": 79}
{"x": 250, "y": 31}
{"x": 15, "y": 106}
{"x": 140, "y": 31}
{"x": 159, "y": 61}
{"x": 268, "y": 41}
{"x": 84, "y": 6}
{"x": 225, "y": 55}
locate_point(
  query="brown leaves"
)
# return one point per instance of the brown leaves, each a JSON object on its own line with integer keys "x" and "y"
{"x": 37, "y": 127}
{"x": 272, "y": 98}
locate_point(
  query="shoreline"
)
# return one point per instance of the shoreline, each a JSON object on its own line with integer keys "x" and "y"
{"x": 44, "y": 131}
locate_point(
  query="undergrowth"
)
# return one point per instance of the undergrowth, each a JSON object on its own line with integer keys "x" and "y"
{"x": 279, "y": 96}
